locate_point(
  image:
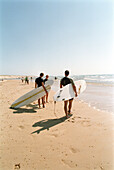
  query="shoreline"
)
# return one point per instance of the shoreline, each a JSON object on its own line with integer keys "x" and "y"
{"x": 94, "y": 107}
{"x": 80, "y": 100}
{"x": 39, "y": 139}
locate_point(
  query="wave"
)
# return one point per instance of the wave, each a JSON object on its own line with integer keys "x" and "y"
{"x": 99, "y": 80}
{"x": 95, "y": 106}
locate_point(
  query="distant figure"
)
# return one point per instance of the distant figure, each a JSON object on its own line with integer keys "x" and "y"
{"x": 22, "y": 79}
{"x": 64, "y": 81}
{"x": 39, "y": 82}
{"x": 55, "y": 78}
{"x": 46, "y": 96}
{"x": 26, "y": 80}
{"x": 31, "y": 78}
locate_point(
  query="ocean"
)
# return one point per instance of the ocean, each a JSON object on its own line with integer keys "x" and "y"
{"x": 99, "y": 93}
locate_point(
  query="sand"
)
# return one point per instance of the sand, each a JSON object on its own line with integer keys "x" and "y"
{"x": 41, "y": 139}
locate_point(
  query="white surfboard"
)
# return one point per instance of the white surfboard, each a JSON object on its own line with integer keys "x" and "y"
{"x": 67, "y": 91}
{"x": 56, "y": 85}
{"x": 32, "y": 95}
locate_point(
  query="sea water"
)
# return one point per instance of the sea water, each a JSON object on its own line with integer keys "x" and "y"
{"x": 99, "y": 96}
{"x": 99, "y": 92}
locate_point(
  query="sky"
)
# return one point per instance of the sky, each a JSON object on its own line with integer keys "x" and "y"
{"x": 51, "y": 36}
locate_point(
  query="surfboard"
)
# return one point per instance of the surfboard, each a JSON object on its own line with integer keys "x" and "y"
{"x": 56, "y": 85}
{"x": 67, "y": 91}
{"x": 32, "y": 95}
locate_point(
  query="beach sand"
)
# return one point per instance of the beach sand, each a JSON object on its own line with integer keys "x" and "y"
{"x": 42, "y": 139}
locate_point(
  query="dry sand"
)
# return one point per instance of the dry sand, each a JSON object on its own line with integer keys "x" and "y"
{"x": 38, "y": 139}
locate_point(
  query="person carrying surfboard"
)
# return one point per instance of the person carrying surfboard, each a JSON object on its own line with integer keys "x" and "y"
{"x": 46, "y": 96}
{"x": 64, "y": 81}
{"x": 39, "y": 82}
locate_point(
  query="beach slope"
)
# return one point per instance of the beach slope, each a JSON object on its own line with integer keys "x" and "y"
{"x": 38, "y": 139}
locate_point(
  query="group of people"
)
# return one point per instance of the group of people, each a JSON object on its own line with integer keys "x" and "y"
{"x": 26, "y": 79}
{"x": 64, "y": 81}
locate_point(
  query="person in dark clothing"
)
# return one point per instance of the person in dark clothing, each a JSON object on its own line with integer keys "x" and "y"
{"x": 46, "y": 78}
{"x": 46, "y": 96}
{"x": 39, "y": 82}
{"x": 26, "y": 80}
{"x": 64, "y": 81}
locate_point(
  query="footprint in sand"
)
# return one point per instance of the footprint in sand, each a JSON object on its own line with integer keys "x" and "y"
{"x": 78, "y": 117}
{"x": 54, "y": 130}
{"x": 21, "y": 127}
{"x": 70, "y": 163}
{"x": 17, "y": 166}
{"x": 55, "y": 135}
{"x": 99, "y": 124}
{"x": 100, "y": 168}
{"x": 74, "y": 150}
{"x": 85, "y": 123}
{"x": 72, "y": 120}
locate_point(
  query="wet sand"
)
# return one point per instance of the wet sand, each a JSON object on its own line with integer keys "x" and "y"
{"x": 38, "y": 139}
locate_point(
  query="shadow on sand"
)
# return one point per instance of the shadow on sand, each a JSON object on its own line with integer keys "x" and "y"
{"x": 25, "y": 110}
{"x": 48, "y": 123}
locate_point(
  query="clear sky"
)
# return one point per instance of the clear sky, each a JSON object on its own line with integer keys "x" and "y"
{"x": 53, "y": 35}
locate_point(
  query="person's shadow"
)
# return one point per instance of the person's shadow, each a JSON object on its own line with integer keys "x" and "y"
{"x": 48, "y": 123}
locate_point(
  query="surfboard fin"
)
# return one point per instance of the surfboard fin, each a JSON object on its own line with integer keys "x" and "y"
{"x": 79, "y": 89}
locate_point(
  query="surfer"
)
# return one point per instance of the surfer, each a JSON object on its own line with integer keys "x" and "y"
{"x": 46, "y": 96}
{"x": 39, "y": 82}
{"x": 64, "y": 81}
{"x": 46, "y": 78}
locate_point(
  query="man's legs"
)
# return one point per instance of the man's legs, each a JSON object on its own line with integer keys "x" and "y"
{"x": 70, "y": 106}
{"x": 47, "y": 98}
{"x": 39, "y": 102}
{"x": 43, "y": 101}
{"x": 65, "y": 107}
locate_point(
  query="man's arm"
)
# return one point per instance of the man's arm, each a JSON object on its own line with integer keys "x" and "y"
{"x": 44, "y": 88}
{"x": 74, "y": 88}
{"x": 60, "y": 85}
{"x": 35, "y": 85}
